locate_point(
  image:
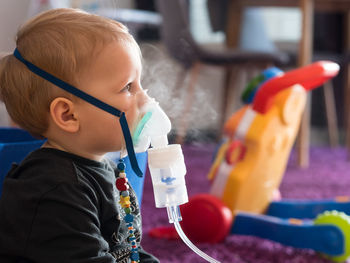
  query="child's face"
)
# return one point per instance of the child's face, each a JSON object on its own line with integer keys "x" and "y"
{"x": 113, "y": 78}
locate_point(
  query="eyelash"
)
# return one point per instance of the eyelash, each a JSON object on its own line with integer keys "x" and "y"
{"x": 127, "y": 88}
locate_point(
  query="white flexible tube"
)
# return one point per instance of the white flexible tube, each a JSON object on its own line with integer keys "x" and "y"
{"x": 175, "y": 217}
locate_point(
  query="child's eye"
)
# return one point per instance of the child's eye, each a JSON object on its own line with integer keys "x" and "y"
{"x": 126, "y": 88}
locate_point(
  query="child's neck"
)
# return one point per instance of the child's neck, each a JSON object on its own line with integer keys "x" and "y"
{"x": 52, "y": 144}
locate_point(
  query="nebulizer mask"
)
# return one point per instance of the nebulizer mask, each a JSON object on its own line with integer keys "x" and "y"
{"x": 166, "y": 164}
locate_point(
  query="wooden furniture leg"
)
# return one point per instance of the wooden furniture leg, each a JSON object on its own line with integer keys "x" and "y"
{"x": 305, "y": 54}
{"x": 231, "y": 73}
{"x": 233, "y": 28}
{"x": 331, "y": 113}
{"x": 347, "y": 85}
{"x": 347, "y": 110}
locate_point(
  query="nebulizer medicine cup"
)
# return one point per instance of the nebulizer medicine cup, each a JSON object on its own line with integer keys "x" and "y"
{"x": 167, "y": 166}
{"x": 168, "y": 171}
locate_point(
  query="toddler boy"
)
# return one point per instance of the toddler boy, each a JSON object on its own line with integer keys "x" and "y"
{"x": 65, "y": 202}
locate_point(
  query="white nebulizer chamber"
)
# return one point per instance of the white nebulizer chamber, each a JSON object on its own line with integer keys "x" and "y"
{"x": 166, "y": 164}
{"x": 168, "y": 170}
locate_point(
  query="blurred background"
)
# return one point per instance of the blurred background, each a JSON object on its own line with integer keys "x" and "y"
{"x": 275, "y": 30}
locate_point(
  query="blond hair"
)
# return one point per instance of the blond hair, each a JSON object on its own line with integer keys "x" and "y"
{"x": 62, "y": 42}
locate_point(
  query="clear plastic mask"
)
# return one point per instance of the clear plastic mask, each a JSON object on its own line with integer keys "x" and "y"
{"x": 153, "y": 127}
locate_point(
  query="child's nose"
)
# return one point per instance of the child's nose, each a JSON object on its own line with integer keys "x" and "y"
{"x": 142, "y": 98}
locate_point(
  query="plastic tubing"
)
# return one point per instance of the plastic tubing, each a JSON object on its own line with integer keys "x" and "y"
{"x": 174, "y": 217}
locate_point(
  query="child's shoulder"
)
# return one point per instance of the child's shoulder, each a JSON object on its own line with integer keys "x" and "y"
{"x": 41, "y": 171}
{"x": 43, "y": 160}
{"x": 44, "y": 165}
{"x": 46, "y": 168}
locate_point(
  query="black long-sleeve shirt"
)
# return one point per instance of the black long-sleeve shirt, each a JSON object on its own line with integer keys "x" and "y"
{"x": 60, "y": 207}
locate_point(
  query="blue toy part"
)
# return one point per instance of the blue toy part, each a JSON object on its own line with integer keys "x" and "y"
{"x": 271, "y": 73}
{"x": 252, "y": 95}
{"x": 15, "y": 144}
{"x": 307, "y": 209}
{"x": 327, "y": 239}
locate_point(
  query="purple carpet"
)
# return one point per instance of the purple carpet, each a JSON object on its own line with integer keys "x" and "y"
{"x": 327, "y": 176}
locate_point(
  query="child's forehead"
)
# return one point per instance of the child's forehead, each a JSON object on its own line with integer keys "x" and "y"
{"x": 118, "y": 52}
{"x": 118, "y": 59}
{"x": 120, "y": 55}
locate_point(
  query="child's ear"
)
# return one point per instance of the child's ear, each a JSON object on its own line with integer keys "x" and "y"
{"x": 63, "y": 114}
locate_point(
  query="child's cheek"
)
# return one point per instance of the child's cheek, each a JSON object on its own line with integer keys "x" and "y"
{"x": 133, "y": 116}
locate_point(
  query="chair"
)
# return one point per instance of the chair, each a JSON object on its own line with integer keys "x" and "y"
{"x": 176, "y": 36}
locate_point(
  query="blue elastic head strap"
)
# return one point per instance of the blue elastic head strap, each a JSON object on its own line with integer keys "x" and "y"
{"x": 92, "y": 100}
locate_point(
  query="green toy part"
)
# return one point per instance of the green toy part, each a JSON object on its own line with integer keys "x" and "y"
{"x": 249, "y": 91}
{"x": 342, "y": 221}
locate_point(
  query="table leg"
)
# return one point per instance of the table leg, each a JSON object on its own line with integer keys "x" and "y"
{"x": 305, "y": 57}
{"x": 347, "y": 84}
{"x": 233, "y": 27}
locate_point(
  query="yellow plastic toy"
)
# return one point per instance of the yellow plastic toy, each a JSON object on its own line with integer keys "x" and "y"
{"x": 250, "y": 165}
{"x": 264, "y": 141}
